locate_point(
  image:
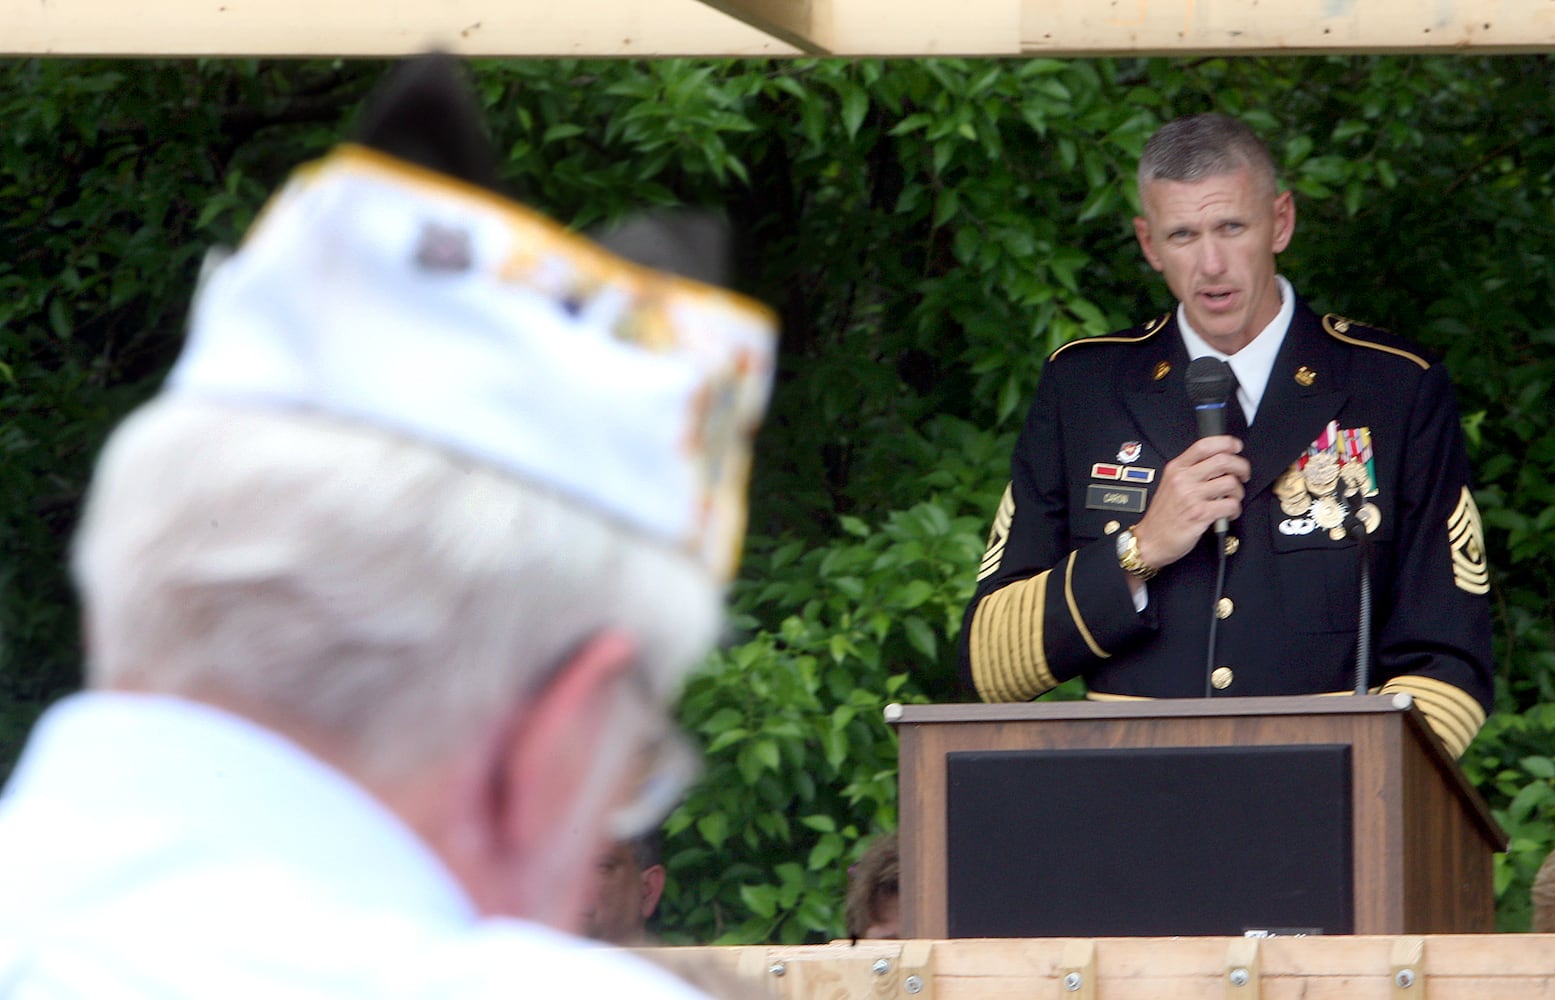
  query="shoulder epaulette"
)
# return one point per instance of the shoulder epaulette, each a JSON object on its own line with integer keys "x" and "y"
{"x": 1339, "y": 327}
{"x": 1146, "y": 331}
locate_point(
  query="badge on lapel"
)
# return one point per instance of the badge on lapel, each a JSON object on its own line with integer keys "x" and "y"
{"x": 1128, "y": 499}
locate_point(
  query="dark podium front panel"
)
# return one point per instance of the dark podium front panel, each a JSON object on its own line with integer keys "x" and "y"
{"x": 1153, "y": 841}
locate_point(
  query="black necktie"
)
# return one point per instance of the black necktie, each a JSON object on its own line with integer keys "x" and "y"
{"x": 1236, "y": 418}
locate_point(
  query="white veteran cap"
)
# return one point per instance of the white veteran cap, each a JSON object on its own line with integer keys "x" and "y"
{"x": 377, "y": 291}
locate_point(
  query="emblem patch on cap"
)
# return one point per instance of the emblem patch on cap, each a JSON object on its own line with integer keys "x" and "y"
{"x": 444, "y": 248}
{"x": 1466, "y": 538}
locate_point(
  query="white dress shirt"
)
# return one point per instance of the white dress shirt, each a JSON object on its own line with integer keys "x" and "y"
{"x": 1253, "y": 363}
{"x": 152, "y": 847}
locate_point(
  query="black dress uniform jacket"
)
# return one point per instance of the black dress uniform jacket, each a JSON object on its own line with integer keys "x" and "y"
{"x": 1052, "y": 603}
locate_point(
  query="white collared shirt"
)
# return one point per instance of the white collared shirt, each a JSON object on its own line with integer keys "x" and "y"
{"x": 152, "y": 847}
{"x": 1253, "y": 363}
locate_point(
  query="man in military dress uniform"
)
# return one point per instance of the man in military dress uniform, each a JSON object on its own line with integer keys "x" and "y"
{"x": 1103, "y": 559}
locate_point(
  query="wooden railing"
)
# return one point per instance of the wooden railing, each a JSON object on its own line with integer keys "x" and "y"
{"x": 1438, "y": 967}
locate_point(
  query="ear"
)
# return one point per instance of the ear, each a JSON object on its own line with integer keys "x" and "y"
{"x": 653, "y": 889}
{"x": 1142, "y": 234}
{"x": 425, "y": 113}
{"x": 1284, "y": 220}
{"x": 550, "y": 780}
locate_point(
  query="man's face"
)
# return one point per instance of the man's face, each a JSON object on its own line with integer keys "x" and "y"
{"x": 624, "y": 897}
{"x": 1215, "y": 240}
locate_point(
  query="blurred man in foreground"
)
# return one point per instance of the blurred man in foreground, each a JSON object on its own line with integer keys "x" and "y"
{"x": 386, "y": 595}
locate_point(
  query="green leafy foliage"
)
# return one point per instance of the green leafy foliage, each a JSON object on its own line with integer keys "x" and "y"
{"x": 1513, "y": 764}
{"x": 928, "y": 231}
{"x": 115, "y": 178}
{"x": 801, "y": 766}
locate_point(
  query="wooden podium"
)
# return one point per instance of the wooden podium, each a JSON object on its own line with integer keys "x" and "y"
{"x": 1301, "y": 815}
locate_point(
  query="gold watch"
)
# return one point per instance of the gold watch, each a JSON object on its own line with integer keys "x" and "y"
{"x": 1128, "y": 556}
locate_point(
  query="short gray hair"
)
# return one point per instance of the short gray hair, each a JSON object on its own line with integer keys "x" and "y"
{"x": 1197, "y": 147}
{"x": 377, "y": 589}
{"x": 648, "y": 848}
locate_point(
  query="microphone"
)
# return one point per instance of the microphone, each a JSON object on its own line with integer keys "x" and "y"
{"x": 1210, "y": 385}
{"x": 1363, "y": 606}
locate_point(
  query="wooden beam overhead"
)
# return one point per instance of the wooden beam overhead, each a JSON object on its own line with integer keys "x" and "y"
{"x": 886, "y": 27}
{"x": 770, "y": 28}
{"x": 557, "y": 28}
{"x": 1284, "y": 27}
{"x": 793, "y": 21}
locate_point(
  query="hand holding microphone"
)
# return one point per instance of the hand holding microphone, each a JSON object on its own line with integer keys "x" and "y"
{"x": 1204, "y": 484}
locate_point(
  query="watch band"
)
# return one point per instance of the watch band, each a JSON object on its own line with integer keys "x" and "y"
{"x": 1128, "y": 556}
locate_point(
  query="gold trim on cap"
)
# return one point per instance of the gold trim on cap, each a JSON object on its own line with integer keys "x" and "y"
{"x": 558, "y": 237}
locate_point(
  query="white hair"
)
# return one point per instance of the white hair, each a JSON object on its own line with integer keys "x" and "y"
{"x": 385, "y": 591}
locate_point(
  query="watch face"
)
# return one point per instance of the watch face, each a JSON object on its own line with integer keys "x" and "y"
{"x": 1125, "y": 542}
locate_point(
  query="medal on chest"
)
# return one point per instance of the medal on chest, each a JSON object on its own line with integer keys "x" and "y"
{"x": 1334, "y": 478}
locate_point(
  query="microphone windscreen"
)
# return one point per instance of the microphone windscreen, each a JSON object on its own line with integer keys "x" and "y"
{"x": 1210, "y": 382}
{"x": 1210, "y": 385}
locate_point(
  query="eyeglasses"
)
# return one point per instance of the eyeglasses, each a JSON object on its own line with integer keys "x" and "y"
{"x": 669, "y": 764}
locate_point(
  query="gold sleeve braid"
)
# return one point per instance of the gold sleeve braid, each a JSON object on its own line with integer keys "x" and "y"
{"x": 1005, "y": 645}
{"x": 1453, "y": 713}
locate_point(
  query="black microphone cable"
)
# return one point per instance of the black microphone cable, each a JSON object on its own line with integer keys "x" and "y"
{"x": 1363, "y": 617}
{"x": 1211, "y": 384}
